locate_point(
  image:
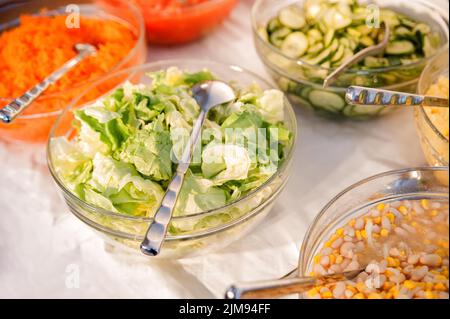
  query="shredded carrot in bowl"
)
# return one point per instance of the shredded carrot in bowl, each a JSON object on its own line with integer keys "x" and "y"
{"x": 42, "y": 44}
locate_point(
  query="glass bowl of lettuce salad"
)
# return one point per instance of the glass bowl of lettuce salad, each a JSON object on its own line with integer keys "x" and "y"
{"x": 115, "y": 161}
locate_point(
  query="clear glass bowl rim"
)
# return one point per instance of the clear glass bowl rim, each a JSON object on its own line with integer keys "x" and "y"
{"x": 139, "y": 41}
{"x": 304, "y": 257}
{"x": 272, "y": 48}
{"x": 161, "y": 65}
{"x": 422, "y": 110}
{"x": 192, "y": 7}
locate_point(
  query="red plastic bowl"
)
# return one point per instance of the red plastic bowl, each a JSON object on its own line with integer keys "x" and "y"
{"x": 185, "y": 23}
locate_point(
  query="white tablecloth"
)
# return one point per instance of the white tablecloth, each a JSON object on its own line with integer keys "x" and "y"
{"x": 44, "y": 250}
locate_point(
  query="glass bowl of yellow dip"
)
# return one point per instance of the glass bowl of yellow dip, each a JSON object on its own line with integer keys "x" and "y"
{"x": 433, "y": 122}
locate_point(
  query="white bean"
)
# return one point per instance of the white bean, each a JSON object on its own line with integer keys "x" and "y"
{"x": 338, "y": 291}
{"x": 337, "y": 243}
{"x": 433, "y": 260}
{"x": 354, "y": 265}
{"x": 386, "y": 223}
{"x": 418, "y": 273}
{"x": 359, "y": 224}
{"x": 325, "y": 261}
{"x": 347, "y": 249}
{"x": 413, "y": 259}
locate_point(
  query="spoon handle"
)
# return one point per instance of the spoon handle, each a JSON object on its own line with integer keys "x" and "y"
{"x": 284, "y": 286}
{"x": 357, "y": 95}
{"x": 9, "y": 112}
{"x": 156, "y": 233}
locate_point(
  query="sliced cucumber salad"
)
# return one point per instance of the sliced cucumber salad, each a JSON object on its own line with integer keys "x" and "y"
{"x": 323, "y": 34}
{"x": 325, "y": 31}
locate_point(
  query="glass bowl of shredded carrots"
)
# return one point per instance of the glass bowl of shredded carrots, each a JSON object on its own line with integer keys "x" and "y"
{"x": 37, "y": 37}
{"x": 180, "y": 21}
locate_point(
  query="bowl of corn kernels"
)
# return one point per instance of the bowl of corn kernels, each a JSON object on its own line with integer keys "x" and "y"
{"x": 395, "y": 226}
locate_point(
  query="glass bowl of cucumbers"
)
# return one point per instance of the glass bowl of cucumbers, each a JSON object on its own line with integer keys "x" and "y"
{"x": 302, "y": 41}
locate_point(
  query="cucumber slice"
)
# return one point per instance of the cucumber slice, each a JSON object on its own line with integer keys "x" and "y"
{"x": 338, "y": 54}
{"x": 297, "y": 100}
{"x": 319, "y": 58}
{"x": 400, "y": 47}
{"x": 366, "y": 41}
{"x": 348, "y": 111}
{"x": 292, "y": 17}
{"x": 273, "y": 25}
{"x": 295, "y": 45}
{"x": 329, "y": 36}
{"x": 408, "y": 22}
{"x": 363, "y": 29}
{"x": 374, "y": 62}
{"x": 316, "y": 48}
{"x": 422, "y": 28}
{"x": 334, "y": 45}
{"x": 305, "y": 92}
{"x": 403, "y": 32}
{"x": 278, "y": 36}
{"x": 353, "y": 33}
{"x": 314, "y": 36}
{"x": 327, "y": 100}
{"x": 362, "y": 110}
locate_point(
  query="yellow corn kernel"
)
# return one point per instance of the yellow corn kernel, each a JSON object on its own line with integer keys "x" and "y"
{"x": 415, "y": 224}
{"x": 327, "y": 244}
{"x": 388, "y": 296}
{"x": 317, "y": 259}
{"x": 391, "y": 217}
{"x": 312, "y": 274}
{"x": 425, "y": 203}
{"x": 351, "y": 288}
{"x": 377, "y": 220}
{"x": 443, "y": 243}
{"x": 374, "y": 295}
{"x": 360, "y": 286}
{"x": 339, "y": 259}
{"x": 327, "y": 294}
{"x": 441, "y": 252}
{"x": 333, "y": 237}
{"x": 392, "y": 262}
{"x": 375, "y": 235}
{"x": 359, "y": 296}
{"x": 434, "y": 213}
{"x": 402, "y": 209}
{"x": 381, "y": 206}
{"x": 429, "y": 286}
{"x": 387, "y": 285}
{"x": 440, "y": 286}
{"x": 409, "y": 284}
{"x": 340, "y": 232}
{"x": 440, "y": 278}
{"x": 358, "y": 235}
{"x": 312, "y": 292}
{"x": 332, "y": 259}
{"x": 363, "y": 233}
{"x": 394, "y": 291}
{"x": 384, "y": 232}
{"x": 429, "y": 295}
{"x": 352, "y": 222}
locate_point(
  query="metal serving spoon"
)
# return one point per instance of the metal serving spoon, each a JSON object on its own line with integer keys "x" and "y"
{"x": 9, "y": 112}
{"x": 284, "y": 286}
{"x": 358, "y": 95}
{"x": 208, "y": 95}
{"x": 369, "y": 51}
